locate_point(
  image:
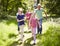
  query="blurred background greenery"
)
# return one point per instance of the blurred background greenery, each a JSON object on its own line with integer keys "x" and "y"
{"x": 8, "y": 23}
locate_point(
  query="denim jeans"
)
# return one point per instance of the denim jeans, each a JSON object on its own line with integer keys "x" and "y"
{"x": 40, "y": 28}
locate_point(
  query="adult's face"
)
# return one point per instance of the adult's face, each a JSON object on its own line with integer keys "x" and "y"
{"x": 39, "y": 7}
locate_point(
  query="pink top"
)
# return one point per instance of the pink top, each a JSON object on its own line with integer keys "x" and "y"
{"x": 28, "y": 15}
{"x": 33, "y": 22}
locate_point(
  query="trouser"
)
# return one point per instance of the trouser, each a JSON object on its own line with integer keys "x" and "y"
{"x": 39, "y": 27}
{"x": 21, "y": 31}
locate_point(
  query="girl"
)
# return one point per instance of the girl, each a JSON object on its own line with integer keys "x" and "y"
{"x": 28, "y": 16}
{"x": 33, "y": 25}
{"x": 20, "y": 20}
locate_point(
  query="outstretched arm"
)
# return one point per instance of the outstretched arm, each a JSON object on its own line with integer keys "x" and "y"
{"x": 45, "y": 14}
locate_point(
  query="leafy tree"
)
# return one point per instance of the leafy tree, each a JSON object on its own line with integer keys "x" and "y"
{"x": 53, "y": 6}
{"x": 10, "y": 7}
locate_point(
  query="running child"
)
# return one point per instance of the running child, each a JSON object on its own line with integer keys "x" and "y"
{"x": 28, "y": 16}
{"x": 33, "y": 25}
{"x": 20, "y": 20}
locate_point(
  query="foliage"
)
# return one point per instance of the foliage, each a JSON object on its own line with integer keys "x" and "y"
{"x": 10, "y": 7}
{"x": 53, "y": 6}
{"x": 51, "y": 37}
{"x": 7, "y": 32}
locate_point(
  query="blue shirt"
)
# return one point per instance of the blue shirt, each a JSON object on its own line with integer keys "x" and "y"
{"x": 20, "y": 17}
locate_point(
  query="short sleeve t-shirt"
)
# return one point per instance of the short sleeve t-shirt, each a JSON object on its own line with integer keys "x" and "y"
{"x": 33, "y": 22}
{"x": 20, "y": 17}
{"x": 39, "y": 13}
{"x": 28, "y": 15}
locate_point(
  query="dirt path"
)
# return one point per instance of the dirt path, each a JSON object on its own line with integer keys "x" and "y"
{"x": 27, "y": 36}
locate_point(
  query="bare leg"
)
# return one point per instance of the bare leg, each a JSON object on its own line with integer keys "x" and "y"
{"x": 34, "y": 34}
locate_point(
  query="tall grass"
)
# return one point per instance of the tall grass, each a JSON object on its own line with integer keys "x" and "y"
{"x": 7, "y": 33}
{"x": 50, "y": 38}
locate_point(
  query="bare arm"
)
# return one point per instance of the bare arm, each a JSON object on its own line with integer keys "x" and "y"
{"x": 30, "y": 23}
{"x": 19, "y": 20}
{"x": 45, "y": 14}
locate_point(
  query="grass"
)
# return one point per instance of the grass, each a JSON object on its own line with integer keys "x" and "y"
{"x": 50, "y": 38}
{"x": 8, "y": 31}
{"x": 8, "y": 34}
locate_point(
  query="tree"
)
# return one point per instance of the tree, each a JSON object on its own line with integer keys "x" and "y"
{"x": 10, "y": 7}
{"x": 53, "y": 6}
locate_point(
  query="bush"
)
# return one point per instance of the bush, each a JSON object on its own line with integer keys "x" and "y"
{"x": 51, "y": 37}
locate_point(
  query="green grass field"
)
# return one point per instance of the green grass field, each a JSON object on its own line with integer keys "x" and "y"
{"x": 8, "y": 34}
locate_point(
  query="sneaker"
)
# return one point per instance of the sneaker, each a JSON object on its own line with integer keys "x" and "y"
{"x": 20, "y": 42}
{"x": 34, "y": 43}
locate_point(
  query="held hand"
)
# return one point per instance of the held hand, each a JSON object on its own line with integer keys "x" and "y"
{"x": 18, "y": 20}
{"x": 45, "y": 14}
{"x": 22, "y": 20}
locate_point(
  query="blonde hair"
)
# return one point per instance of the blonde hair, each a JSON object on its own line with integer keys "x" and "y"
{"x": 20, "y": 9}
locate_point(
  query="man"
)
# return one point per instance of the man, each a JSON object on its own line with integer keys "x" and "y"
{"x": 39, "y": 16}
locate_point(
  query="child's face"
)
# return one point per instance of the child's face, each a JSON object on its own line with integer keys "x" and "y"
{"x": 19, "y": 11}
